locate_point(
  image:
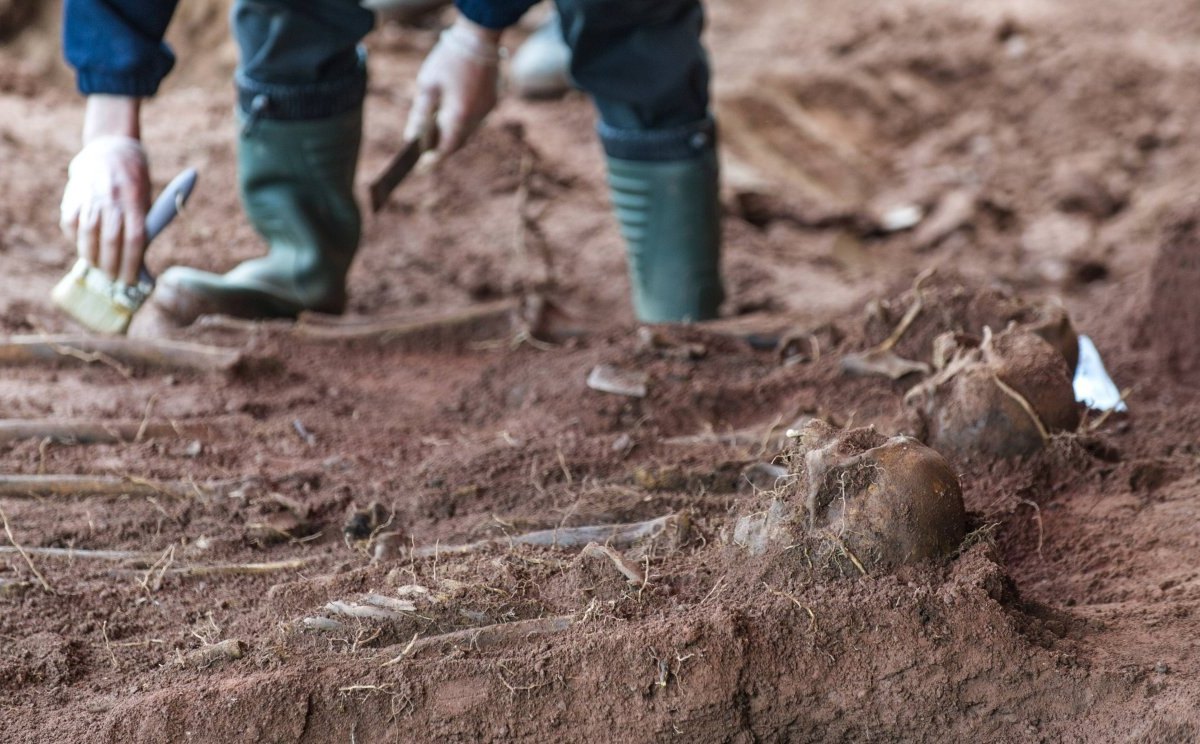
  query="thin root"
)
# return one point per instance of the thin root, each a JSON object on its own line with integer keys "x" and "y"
{"x": 1021, "y": 401}
{"x": 28, "y": 561}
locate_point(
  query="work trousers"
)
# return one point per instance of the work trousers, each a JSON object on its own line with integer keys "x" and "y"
{"x": 641, "y": 61}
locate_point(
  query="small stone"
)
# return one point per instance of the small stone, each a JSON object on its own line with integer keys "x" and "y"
{"x": 624, "y": 444}
{"x": 194, "y": 449}
{"x": 1016, "y": 46}
{"x": 1162, "y": 668}
{"x": 606, "y": 378}
{"x": 901, "y": 217}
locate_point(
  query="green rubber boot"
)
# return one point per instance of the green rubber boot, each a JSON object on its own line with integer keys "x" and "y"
{"x": 297, "y": 187}
{"x": 670, "y": 217}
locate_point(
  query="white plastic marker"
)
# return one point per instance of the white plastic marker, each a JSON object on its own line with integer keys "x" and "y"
{"x": 1092, "y": 384}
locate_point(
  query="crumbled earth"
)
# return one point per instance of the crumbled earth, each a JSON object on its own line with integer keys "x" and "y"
{"x": 1047, "y": 153}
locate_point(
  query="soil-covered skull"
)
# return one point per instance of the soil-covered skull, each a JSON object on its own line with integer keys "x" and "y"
{"x": 860, "y": 502}
{"x": 1002, "y": 397}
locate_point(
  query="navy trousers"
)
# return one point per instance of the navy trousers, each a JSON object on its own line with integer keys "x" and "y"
{"x": 641, "y": 61}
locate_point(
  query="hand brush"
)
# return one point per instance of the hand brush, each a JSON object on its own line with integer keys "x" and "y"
{"x": 105, "y": 305}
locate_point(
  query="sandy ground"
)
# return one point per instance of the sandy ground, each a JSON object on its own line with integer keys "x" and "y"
{"x": 1050, "y": 150}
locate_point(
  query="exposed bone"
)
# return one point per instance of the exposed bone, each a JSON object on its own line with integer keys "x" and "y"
{"x": 23, "y": 486}
{"x": 135, "y": 557}
{"x": 80, "y": 554}
{"x": 205, "y": 657}
{"x": 768, "y": 436}
{"x": 954, "y": 211}
{"x": 385, "y": 610}
{"x": 228, "y": 323}
{"x": 882, "y": 362}
{"x": 321, "y": 623}
{"x": 481, "y": 638}
{"x": 88, "y": 431}
{"x": 485, "y": 321}
{"x": 117, "y": 351}
{"x": 616, "y": 535}
{"x": 628, "y": 569}
{"x": 240, "y": 569}
{"x": 390, "y": 603}
{"x": 606, "y": 378}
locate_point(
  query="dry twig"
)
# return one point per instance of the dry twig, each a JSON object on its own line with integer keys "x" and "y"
{"x": 28, "y": 561}
{"x": 240, "y": 569}
{"x": 617, "y": 535}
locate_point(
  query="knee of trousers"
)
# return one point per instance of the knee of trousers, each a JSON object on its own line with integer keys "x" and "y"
{"x": 300, "y": 61}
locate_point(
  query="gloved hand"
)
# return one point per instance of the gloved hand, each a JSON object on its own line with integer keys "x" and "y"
{"x": 457, "y": 86}
{"x": 104, "y": 205}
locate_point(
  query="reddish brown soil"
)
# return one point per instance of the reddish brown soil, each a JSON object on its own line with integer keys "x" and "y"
{"x": 1051, "y": 145}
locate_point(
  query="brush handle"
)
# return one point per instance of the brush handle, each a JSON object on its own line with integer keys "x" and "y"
{"x": 168, "y": 203}
{"x": 164, "y": 209}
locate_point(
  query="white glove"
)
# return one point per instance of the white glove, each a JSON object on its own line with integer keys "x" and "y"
{"x": 457, "y": 86}
{"x": 104, "y": 205}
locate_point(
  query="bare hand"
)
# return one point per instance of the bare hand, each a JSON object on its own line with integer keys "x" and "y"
{"x": 104, "y": 205}
{"x": 457, "y": 86}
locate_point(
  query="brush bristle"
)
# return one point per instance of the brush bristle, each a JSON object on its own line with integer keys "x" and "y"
{"x": 87, "y": 304}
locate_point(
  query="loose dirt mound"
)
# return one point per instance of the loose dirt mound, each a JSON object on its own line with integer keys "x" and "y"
{"x": 1174, "y": 311}
{"x": 202, "y": 585}
{"x": 949, "y": 304}
{"x": 14, "y": 16}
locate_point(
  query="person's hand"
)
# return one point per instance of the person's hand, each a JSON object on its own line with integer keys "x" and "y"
{"x": 456, "y": 87}
{"x": 104, "y": 205}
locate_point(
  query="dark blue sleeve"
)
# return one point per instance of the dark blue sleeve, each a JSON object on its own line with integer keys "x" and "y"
{"x": 494, "y": 13}
{"x": 116, "y": 46}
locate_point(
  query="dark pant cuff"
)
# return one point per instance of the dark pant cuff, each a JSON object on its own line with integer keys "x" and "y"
{"x": 678, "y": 143}
{"x": 283, "y": 102}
